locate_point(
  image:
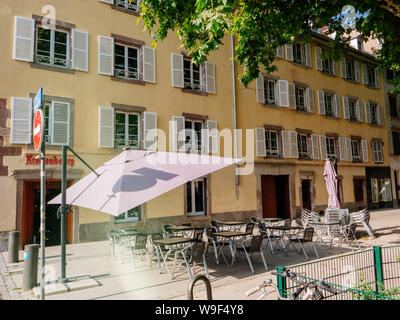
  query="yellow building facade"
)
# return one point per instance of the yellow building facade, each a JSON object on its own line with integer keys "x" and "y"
{"x": 106, "y": 89}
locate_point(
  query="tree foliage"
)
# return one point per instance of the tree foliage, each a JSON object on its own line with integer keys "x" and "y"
{"x": 259, "y": 26}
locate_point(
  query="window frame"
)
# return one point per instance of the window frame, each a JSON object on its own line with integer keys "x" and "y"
{"x": 303, "y": 154}
{"x": 393, "y": 108}
{"x": 352, "y": 70}
{"x": 329, "y": 155}
{"x": 126, "y": 60}
{"x": 302, "y": 51}
{"x": 193, "y": 212}
{"x": 269, "y": 151}
{"x": 356, "y": 157}
{"x": 374, "y": 109}
{"x": 297, "y": 89}
{"x": 331, "y": 97}
{"x": 127, "y": 219}
{"x": 139, "y": 128}
{"x": 377, "y": 153}
{"x": 125, "y": 4}
{"x": 199, "y": 148}
{"x": 191, "y": 70}
{"x": 352, "y": 109}
{"x": 267, "y": 99}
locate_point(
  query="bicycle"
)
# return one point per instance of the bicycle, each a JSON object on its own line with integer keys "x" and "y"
{"x": 310, "y": 287}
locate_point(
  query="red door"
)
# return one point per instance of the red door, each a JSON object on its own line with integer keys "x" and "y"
{"x": 268, "y": 193}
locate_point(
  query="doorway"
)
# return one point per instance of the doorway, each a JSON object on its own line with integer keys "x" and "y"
{"x": 275, "y": 196}
{"x": 306, "y": 193}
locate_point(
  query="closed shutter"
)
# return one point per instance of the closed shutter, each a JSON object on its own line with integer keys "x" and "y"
{"x": 318, "y": 59}
{"x": 260, "y": 142}
{"x": 292, "y": 96}
{"x": 335, "y": 68}
{"x": 314, "y": 146}
{"x": 210, "y": 77}
{"x": 289, "y": 52}
{"x": 308, "y": 55}
{"x": 149, "y": 64}
{"x": 294, "y": 151}
{"x": 379, "y": 115}
{"x": 213, "y": 142}
{"x": 322, "y": 145}
{"x": 359, "y": 110}
{"x": 106, "y": 55}
{"x": 21, "y": 120}
{"x": 368, "y": 118}
{"x": 283, "y": 93}
{"x": 178, "y": 133}
{"x": 349, "y": 155}
{"x": 310, "y": 95}
{"x": 286, "y": 143}
{"x": 177, "y": 70}
{"x": 279, "y": 52}
{"x": 260, "y": 89}
{"x": 80, "y": 50}
{"x": 357, "y": 70}
{"x": 60, "y": 123}
{"x": 336, "y": 106}
{"x": 107, "y": 1}
{"x": 364, "y": 149}
{"x": 106, "y": 127}
{"x": 343, "y": 68}
{"x": 321, "y": 101}
{"x": 150, "y": 130}
{"x": 377, "y": 80}
{"x": 364, "y": 73}
{"x": 24, "y": 35}
{"x": 346, "y": 109}
{"x": 342, "y": 149}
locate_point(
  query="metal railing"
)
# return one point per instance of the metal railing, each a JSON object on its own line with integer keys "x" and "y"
{"x": 59, "y": 62}
{"x": 130, "y": 75}
{"x": 134, "y": 5}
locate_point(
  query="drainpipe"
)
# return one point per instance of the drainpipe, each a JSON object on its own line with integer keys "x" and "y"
{"x": 235, "y": 119}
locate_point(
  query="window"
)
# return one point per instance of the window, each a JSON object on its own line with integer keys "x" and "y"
{"x": 300, "y": 104}
{"x": 127, "y": 129}
{"x": 371, "y": 76}
{"x": 350, "y": 70}
{"x": 272, "y": 143}
{"x": 52, "y": 47}
{"x": 326, "y": 66}
{"x": 360, "y": 45}
{"x": 331, "y": 147}
{"x": 196, "y": 197}
{"x": 358, "y": 184}
{"x": 269, "y": 91}
{"x": 192, "y": 75}
{"x": 328, "y": 105}
{"x": 126, "y": 62}
{"x": 302, "y": 143}
{"x": 352, "y": 110}
{"x": 393, "y": 106}
{"x": 374, "y": 110}
{"x": 390, "y": 74}
{"x": 132, "y": 215}
{"x": 193, "y": 135}
{"x": 377, "y": 151}
{"x": 381, "y": 190}
{"x": 396, "y": 142}
{"x": 299, "y": 53}
{"x": 128, "y": 4}
{"x": 355, "y": 150}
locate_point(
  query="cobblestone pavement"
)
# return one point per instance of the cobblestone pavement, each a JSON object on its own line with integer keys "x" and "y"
{"x": 8, "y": 289}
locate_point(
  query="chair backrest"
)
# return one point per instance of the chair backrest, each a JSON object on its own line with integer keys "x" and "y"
{"x": 215, "y": 224}
{"x": 299, "y": 223}
{"x": 157, "y": 236}
{"x": 308, "y": 234}
{"x": 255, "y": 243}
{"x": 249, "y": 228}
{"x": 166, "y": 228}
{"x": 198, "y": 251}
{"x": 113, "y": 234}
{"x": 209, "y": 232}
{"x": 140, "y": 241}
{"x": 254, "y": 219}
{"x": 198, "y": 234}
{"x": 261, "y": 227}
{"x": 287, "y": 222}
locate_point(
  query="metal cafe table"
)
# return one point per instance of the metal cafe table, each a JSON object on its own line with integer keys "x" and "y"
{"x": 324, "y": 228}
{"x": 185, "y": 230}
{"x": 228, "y": 238}
{"x": 284, "y": 231}
{"x": 232, "y": 225}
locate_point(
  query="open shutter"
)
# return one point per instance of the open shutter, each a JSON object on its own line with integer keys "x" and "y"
{"x": 292, "y": 96}
{"x": 322, "y": 144}
{"x": 286, "y": 143}
{"x": 260, "y": 142}
{"x": 177, "y": 70}
{"x": 346, "y": 109}
{"x": 308, "y": 55}
{"x": 359, "y": 111}
{"x": 342, "y": 149}
{"x": 357, "y": 70}
{"x": 279, "y": 52}
{"x": 24, "y": 35}
{"x": 80, "y": 50}
{"x": 210, "y": 77}
{"x": 106, "y": 55}
{"x": 334, "y": 68}
{"x": 310, "y": 98}
{"x": 107, "y": 1}
{"x": 321, "y": 102}
{"x": 150, "y": 130}
{"x": 106, "y": 127}
{"x": 364, "y": 150}
{"x": 364, "y": 73}
{"x": 379, "y": 115}
{"x": 318, "y": 59}
{"x": 336, "y": 106}
{"x": 289, "y": 52}
{"x": 314, "y": 146}
{"x": 277, "y": 94}
{"x": 343, "y": 67}
{"x": 21, "y": 120}
{"x": 213, "y": 142}
{"x": 377, "y": 80}
{"x": 294, "y": 151}
{"x": 60, "y": 123}
{"x": 349, "y": 155}
{"x": 260, "y": 89}
{"x": 178, "y": 133}
{"x": 149, "y": 64}
{"x": 368, "y": 118}
{"x": 283, "y": 93}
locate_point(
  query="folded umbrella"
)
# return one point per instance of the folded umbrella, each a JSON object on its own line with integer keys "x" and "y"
{"x": 331, "y": 185}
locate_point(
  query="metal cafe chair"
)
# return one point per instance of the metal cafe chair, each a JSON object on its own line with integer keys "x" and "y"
{"x": 212, "y": 241}
{"x": 250, "y": 247}
{"x": 138, "y": 245}
{"x": 267, "y": 234}
{"x": 115, "y": 242}
{"x": 306, "y": 238}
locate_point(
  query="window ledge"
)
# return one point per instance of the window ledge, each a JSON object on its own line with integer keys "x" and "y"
{"x": 357, "y": 161}
{"x": 135, "y": 13}
{"x": 201, "y": 93}
{"x": 271, "y": 105}
{"x": 51, "y": 68}
{"x": 308, "y": 158}
{"x": 273, "y": 157}
{"x": 354, "y": 121}
{"x": 303, "y": 111}
{"x": 352, "y": 81}
{"x": 331, "y": 117}
{"x": 329, "y": 74}
{"x": 301, "y": 65}
{"x": 139, "y": 82}
{"x": 196, "y": 218}
{"x": 371, "y": 87}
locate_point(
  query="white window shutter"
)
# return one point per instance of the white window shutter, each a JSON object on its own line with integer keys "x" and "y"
{"x": 349, "y": 155}
{"x": 292, "y": 96}
{"x": 283, "y": 93}
{"x": 177, "y": 70}
{"x": 343, "y": 67}
{"x": 150, "y": 130}
{"x": 314, "y": 146}
{"x": 357, "y": 70}
{"x": 60, "y": 123}
{"x": 210, "y": 77}
{"x": 311, "y": 102}
{"x": 260, "y": 142}
{"x": 307, "y": 100}
{"x": 149, "y": 64}
{"x": 106, "y": 55}
{"x": 308, "y": 55}
{"x": 107, "y": 1}
{"x": 277, "y": 94}
{"x": 377, "y": 80}
{"x": 260, "y": 89}
{"x": 289, "y": 52}
{"x": 294, "y": 151}
{"x": 364, "y": 149}
{"x": 286, "y": 143}
{"x": 364, "y": 73}
{"x": 318, "y": 59}
{"x": 178, "y": 133}
{"x": 106, "y": 127}
{"x": 21, "y": 120}
{"x": 379, "y": 115}
{"x": 368, "y": 118}
{"x": 322, "y": 144}
{"x": 334, "y": 68}
{"x": 342, "y": 149}
{"x": 24, "y": 37}
{"x": 80, "y": 50}
{"x": 359, "y": 109}
{"x": 346, "y": 109}
{"x": 213, "y": 141}
{"x": 336, "y": 106}
{"x": 321, "y": 101}
{"x": 279, "y": 52}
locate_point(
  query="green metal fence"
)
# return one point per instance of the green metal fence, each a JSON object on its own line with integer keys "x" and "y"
{"x": 371, "y": 274}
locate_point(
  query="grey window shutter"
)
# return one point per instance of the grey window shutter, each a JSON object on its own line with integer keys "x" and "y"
{"x": 106, "y": 55}
{"x": 311, "y": 102}
{"x": 260, "y": 89}
{"x": 277, "y": 95}
{"x": 177, "y": 70}
{"x": 283, "y": 93}
{"x": 368, "y": 118}
{"x": 314, "y": 146}
{"x": 21, "y": 120}
{"x": 294, "y": 151}
{"x": 149, "y": 64}
{"x": 106, "y": 127}
{"x": 342, "y": 149}
{"x": 260, "y": 142}
{"x": 210, "y": 77}
{"x": 343, "y": 67}
{"x": 279, "y": 52}
{"x": 308, "y": 55}
{"x": 150, "y": 130}
{"x": 357, "y": 70}
{"x": 321, "y": 101}
{"x": 292, "y": 96}
{"x": 379, "y": 115}
{"x": 318, "y": 59}
{"x": 212, "y": 134}
{"x": 289, "y": 52}
{"x": 322, "y": 144}
{"x": 178, "y": 133}
{"x": 107, "y": 1}
{"x": 336, "y": 106}
{"x": 364, "y": 149}
{"x": 80, "y": 50}
{"x": 60, "y": 123}
{"x": 286, "y": 143}
{"x": 334, "y": 68}
{"x": 364, "y": 73}
{"x": 349, "y": 155}
{"x": 24, "y": 37}
{"x": 360, "y": 114}
{"x": 346, "y": 109}
{"x": 377, "y": 80}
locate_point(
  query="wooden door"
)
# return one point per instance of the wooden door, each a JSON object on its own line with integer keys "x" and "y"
{"x": 268, "y": 193}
